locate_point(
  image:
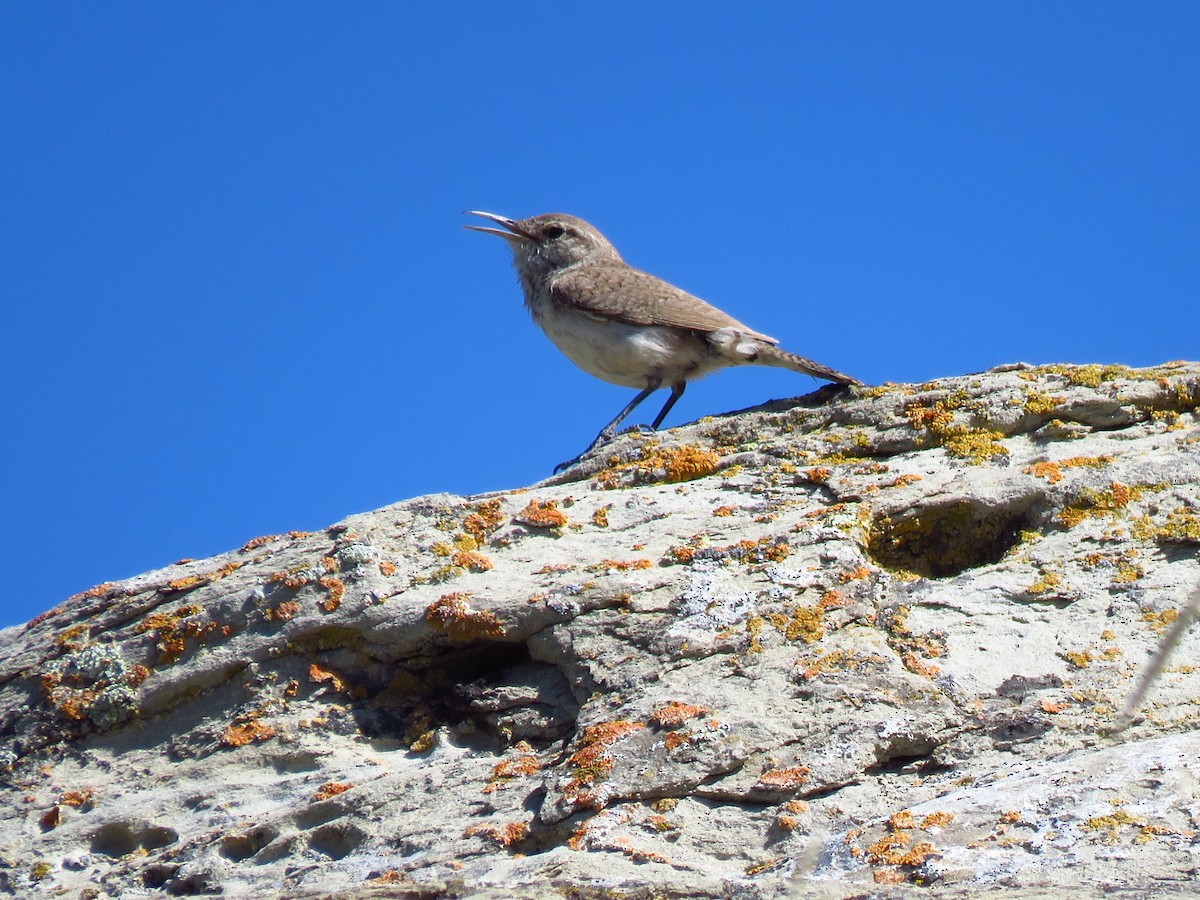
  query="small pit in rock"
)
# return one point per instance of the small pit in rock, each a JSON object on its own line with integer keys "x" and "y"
{"x": 117, "y": 839}
{"x": 244, "y": 844}
{"x": 336, "y": 841}
{"x": 946, "y": 539}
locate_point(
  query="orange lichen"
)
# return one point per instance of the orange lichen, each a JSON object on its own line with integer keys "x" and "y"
{"x": 509, "y": 769}
{"x": 239, "y": 734}
{"x": 554, "y": 569}
{"x": 525, "y": 764}
{"x": 172, "y": 630}
{"x": 766, "y": 549}
{"x": 685, "y": 552}
{"x": 336, "y": 591}
{"x": 674, "y": 739}
{"x": 84, "y": 799}
{"x": 600, "y": 516}
{"x": 452, "y": 614}
{"x": 591, "y": 762}
{"x": 319, "y": 675}
{"x": 189, "y": 582}
{"x": 638, "y": 855}
{"x": 657, "y": 464}
{"x": 675, "y": 714}
{"x": 893, "y": 849}
{"x": 284, "y": 611}
{"x": 541, "y": 514}
{"x": 723, "y": 511}
{"x": 292, "y": 580}
{"x": 505, "y": 835}
{"x": 484, "y": 520}
{"x": 619, "y": 565}
{"x": 332, "y": 789}
{"x": 783, "y": 779}
{"x": 1048, "y": 470}
{"x": 475, "y": 562}
{"x": 848, "y": 575}
{"x": 386, "y": 567}
{"x": 689, "y": 463}
{"x": 917, "y": 666}
{"x": 1051, "y": 470}
{"x": 817, "y": 474}
{"x": 937, "y": 820}
{"x": 392, "y": 876}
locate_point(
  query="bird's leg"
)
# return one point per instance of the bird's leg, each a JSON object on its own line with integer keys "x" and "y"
{"x": 607, "y": 432}
{"x": 676, "y": 392}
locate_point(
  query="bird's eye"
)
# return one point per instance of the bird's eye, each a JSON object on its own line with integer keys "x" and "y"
{"x": 554, "y": 232}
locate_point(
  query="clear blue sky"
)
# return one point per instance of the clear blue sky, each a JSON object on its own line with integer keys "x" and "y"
{"x": 236, "y": 297}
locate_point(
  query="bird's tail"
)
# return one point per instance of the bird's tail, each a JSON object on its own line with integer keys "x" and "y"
{"x": 772, "y": 356}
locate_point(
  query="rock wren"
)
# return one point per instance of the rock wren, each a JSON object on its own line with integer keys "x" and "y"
{"x": 622, "y": 324}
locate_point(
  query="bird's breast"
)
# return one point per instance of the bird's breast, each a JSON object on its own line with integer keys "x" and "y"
{"x": 621, "y": 353}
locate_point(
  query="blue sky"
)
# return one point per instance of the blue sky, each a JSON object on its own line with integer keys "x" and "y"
{"x": 236, "y": 298}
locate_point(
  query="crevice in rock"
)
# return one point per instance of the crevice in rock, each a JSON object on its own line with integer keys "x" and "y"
{"x": 946, "y": 539}
{"x": 492, "y": 692}
{"x": 904, "y": 754}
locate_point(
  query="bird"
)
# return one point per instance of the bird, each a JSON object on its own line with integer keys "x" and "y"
{"x": 623, "y": 325}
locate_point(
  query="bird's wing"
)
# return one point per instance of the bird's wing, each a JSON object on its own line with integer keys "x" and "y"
{"x": 609, "y": 292}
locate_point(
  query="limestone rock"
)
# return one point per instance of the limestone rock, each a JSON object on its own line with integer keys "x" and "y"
{"x": 838, "y": 645}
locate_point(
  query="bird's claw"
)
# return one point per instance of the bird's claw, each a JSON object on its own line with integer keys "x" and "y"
{"x": 639, "y": 429}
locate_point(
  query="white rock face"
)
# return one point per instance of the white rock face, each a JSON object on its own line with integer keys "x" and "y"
{"x": 834, "y": 646}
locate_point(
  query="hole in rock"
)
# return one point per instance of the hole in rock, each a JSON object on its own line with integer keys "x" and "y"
{"x": 118, "y": 839}
{"x": 496, "y": 689}
{"x": 114, "y": 839}
{"x": 246, "y": 844}
{"x": 155, "y": 836}
{"x": 946, "y": 539}
{"x": 896, "y": 764}
{"x": 336, "y": 841}
{"x": 156, "y": 876}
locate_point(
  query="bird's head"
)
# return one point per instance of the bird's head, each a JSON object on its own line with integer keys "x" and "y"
{"x": 542, "y": 244}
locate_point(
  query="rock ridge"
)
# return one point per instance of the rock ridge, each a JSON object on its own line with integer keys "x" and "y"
{"x": 855, "y": 643}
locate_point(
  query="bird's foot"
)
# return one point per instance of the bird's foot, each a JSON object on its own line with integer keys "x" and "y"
{"x": 601, "y": 439}
{"x": 639, "y": 429}
{"x": 563, "y": 466}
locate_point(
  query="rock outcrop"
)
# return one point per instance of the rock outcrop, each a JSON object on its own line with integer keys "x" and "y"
{"x": 839, "y": 645}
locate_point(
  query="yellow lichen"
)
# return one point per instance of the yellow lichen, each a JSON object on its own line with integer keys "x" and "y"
{"x": 1047, "y": 582}
{"x": 1039, "y": 403}
{"x": 1092, "y": 503}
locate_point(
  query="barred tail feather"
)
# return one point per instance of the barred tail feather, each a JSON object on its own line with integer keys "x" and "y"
{"x": 773, "y": 356}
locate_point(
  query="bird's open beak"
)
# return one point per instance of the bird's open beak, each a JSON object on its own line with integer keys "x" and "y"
{"x": 514, "y": 232}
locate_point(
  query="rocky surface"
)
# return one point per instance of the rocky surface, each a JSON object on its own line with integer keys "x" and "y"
{"x": 852, "y": 644}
